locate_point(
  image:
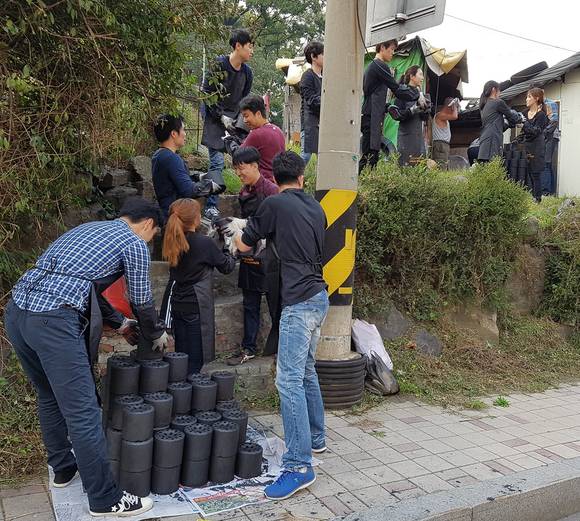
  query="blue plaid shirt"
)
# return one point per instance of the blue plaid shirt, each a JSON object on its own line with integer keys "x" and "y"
{"x": 88, "y": 252}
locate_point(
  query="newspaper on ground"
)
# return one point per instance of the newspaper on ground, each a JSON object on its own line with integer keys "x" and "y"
{"x": 70, "y": 503}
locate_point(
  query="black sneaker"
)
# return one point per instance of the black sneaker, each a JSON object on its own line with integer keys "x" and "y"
{"x": 129, "y": 505}
{"x": 65, "y": 477}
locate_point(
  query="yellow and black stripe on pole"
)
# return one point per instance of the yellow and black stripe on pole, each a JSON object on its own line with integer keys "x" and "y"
{"x": 339, "y": 243}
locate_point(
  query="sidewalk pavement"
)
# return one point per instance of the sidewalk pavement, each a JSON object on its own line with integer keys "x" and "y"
{"x": 398, "y": 450}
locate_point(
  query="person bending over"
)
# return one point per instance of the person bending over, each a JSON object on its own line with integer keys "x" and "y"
{"x": 54, "y": 322}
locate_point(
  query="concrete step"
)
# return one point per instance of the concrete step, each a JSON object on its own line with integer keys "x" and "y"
{"x": 229, "y": 320}
{"x": 255, "y": 376}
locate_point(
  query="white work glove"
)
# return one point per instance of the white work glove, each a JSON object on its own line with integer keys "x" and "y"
{"x": 234, "y": 226}
{"x": 230, "y": 243}
{"x": 415, "y": 109}
{"x": 523, "y": 117}
{"x": 228, "y": 122}
{"x": 160, "y": 344}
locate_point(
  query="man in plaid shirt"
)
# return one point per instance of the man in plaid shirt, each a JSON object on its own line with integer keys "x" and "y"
{"x": 46, "y": 322}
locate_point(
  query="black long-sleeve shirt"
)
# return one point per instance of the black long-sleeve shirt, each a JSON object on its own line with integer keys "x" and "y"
{"x": 377, "y": 74}
{"x": 295, "y": 222}
{"x": 203, "y": 253}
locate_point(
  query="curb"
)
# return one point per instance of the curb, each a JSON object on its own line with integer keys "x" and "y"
{"x": 547, "y": 493}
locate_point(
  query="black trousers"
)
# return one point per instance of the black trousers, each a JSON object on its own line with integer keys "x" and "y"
{"x": 536, "y": 179}
{"x": 187, "y": 334}
{"x": 368, "y": 157}
{"x": 252, "y": 303}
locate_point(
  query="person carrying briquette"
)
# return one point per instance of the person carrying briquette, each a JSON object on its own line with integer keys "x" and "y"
{"x": 411, "y": 116}
{"x": 171, "y": 179}
{"x": 192, "y": 257}
{"x": 441, "y": 131}
{"x": 295, "y": 223}
{"x": 252, "y": 278}
{"x": 311, "y": 93}
{"x": 536, "y": 122}
{"x": 264, "y": 136}
{"x": 493, "y": 113}
{"x": 230, "y": 79}
{"x": 377, "y": 81}
{"x": 54, "y": 322}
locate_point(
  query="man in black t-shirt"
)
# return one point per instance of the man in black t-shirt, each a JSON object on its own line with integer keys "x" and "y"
{"x": 295, "y": 222}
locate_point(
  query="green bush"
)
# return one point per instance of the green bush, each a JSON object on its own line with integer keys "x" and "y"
{"x": 426, "y": 238}
{"x": 561, "y": 240}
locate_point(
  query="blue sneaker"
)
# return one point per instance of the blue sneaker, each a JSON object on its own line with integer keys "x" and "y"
{"x": 289, "y": 482}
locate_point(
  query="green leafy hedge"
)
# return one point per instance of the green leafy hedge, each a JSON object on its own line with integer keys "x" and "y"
{"x": 427, "y": 237}
{"x": 562, "y": 288}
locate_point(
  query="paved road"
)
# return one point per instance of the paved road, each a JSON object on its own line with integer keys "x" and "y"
{"x": 399, "y": 450}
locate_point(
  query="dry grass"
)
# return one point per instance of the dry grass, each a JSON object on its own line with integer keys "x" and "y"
{"x": 531, "y": 357}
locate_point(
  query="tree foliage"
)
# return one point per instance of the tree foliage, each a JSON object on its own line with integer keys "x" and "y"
{"x": 79, "y": 81}
{"x": 281, "y": 29}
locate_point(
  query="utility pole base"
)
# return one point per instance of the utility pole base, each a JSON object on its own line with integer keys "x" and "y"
{"x": 335, "y": 337}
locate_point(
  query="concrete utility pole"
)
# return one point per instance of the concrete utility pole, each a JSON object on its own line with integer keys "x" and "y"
{"x": 338, "y": 157}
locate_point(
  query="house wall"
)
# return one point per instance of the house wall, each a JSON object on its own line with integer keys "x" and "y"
{"x": 291, "y": 123}
{"x": 569, "y": 150}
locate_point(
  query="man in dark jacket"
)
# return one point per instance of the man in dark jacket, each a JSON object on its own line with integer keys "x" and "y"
{"x": 171, "y": 180}
{"x": 47, "y": 321}
{"x": 378, "y": 79}
{"x": 296, "y": 223}
{"x": 310, "y": 92}
{"x": 230, "y": 79}
{"x": 252, "y": 279}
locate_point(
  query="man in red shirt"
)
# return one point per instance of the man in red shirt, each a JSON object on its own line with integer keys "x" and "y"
{"x": 266, "y": 137}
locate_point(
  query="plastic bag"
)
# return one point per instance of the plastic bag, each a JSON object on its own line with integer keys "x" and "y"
{"x": 367, "y": 340}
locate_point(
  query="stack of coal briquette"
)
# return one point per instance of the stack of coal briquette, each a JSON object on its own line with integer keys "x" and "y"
{"x": 165, "y": 428}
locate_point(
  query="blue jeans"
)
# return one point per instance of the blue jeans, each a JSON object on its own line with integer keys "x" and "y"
{"x": 252, "y": 303}
{"x": 216, "y": 164}
{"x": 297, "y": 381}
{"x": 187, "y": 333}
{"x": 52, "y": 351}
{"x": 304, "y": 155}
{"x": 548, "y": 180}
